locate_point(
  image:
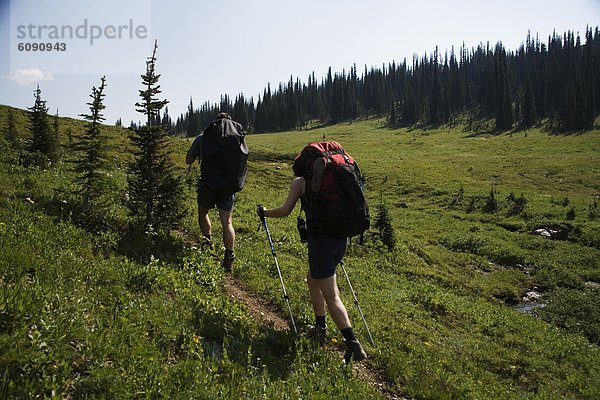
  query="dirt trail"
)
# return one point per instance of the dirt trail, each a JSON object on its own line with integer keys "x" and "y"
{"x": 257, "y": 306}
{"x": 263, "y": 311}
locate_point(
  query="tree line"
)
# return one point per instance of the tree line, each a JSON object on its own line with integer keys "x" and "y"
{"x": 555, "y": 82}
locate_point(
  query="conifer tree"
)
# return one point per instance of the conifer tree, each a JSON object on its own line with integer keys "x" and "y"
{"x": 69, "y": 135}
{"x": 192, "y": 121}
{"x": 155, "y": 191}
{"x": 241, "y": 112}
{"x": 56, "y": 132}
{"x": 383, "y": 223}
{"x": 44, "y": 144}
{"x": 166, "y": 121}
{"x": 409, "y": 111}
{"x": 11, "y": 134}
{"x": 91, "y": 150}
{"x": 528, "y": 107}
{"x": 393, "y": 117}
{"x": 435, "y": 103}
{"x": 504, "y": 116}
{"x": 491, "y": 204}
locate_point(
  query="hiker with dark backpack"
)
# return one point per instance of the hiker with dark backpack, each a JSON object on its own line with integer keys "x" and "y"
{"x": 223, "y": 154}
{"x": 329, "y": 186}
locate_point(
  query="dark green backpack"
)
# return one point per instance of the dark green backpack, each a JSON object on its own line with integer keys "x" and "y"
{"x": 224, "y": 157}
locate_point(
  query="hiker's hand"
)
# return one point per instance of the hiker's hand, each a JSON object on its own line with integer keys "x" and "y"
{"x": 260, "y": 211}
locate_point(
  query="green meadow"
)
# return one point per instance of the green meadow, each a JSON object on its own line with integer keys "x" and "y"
{"x": 84, "y": 314}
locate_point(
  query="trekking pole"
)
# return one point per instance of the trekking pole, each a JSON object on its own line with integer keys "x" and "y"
{"x": 263, "y": 220}
{"x": 357, "y": 305}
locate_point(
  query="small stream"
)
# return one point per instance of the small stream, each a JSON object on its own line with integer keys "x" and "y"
{"x": 529, "y": 307}
{"x": 532, "y": 300}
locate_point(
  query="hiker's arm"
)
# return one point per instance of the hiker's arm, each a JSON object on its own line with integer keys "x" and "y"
{"x": 195, "y": 151}
{"x": 288, "y": 206}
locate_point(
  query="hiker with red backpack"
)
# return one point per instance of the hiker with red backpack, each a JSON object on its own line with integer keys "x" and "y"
{"x": 223, "y": 154}
{"x": 328, "y": 184}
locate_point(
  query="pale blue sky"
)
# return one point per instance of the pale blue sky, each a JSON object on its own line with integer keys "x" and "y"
{"x": 209, "y": 48}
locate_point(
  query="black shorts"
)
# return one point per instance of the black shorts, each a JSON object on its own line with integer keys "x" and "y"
{"x": 207, "y": 199}
{"x": 324, "y": 254}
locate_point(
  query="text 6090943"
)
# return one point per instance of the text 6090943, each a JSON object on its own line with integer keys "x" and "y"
{"x": 58, "y": 46}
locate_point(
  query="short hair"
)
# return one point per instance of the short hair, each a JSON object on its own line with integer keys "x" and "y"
{"x": 223, "y": 115}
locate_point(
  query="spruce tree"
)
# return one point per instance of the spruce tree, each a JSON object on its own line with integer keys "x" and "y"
{"x": 10, "y": 133}
{"x": 44, "y": 145}
{"x": 504, "y": 116}
{"x": 491, "y": 204}
{"x": 383, "y": 224}
{"x": 409, "y": 112}
{"x": 56, "y": 133}
{"x": 166, "y": 121}
{"x": 435, "y": 98}
{"x": 69, "y": 135}
{"x": 155, "y": 191}
{"x": 528, "y": 107}
{"x": 393, "y": 117}
{"x": 91, "y": 150}
{"x": 192, "y": 121}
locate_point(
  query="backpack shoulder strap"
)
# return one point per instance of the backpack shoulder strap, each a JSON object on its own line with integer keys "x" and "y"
{"x": 318, "y": 169}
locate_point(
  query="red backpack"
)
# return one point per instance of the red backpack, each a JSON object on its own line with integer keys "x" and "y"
{"x": 337, "y": 203}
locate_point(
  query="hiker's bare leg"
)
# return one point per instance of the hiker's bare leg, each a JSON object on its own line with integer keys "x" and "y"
{"x": 316, "y": 297}
{"x": 204, "y": 222}
{"x": 228, "y": 231}
{"x": 328, "y": 287}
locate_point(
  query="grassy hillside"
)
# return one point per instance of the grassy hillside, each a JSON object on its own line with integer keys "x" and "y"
{"x": 79, "y": 318}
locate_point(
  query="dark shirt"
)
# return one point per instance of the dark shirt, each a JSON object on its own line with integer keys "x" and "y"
{"x": 195, "y": 150}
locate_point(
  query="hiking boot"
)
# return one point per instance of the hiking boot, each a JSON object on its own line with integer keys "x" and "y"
{"x": 228, "y": 262}
{"x": 206, "y": 244}
{"x": 319, "y": 334}
{"x": 354, "y": 351}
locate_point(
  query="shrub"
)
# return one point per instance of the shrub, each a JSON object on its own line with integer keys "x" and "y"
{"x": 383, "y": 223}
{"x": 593, "y": 211}
{"x": 457, "y": 198}
{"x": 555, "y": 276}
{"x": 491, "y": 204}
{"x": 519, "y": 203}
